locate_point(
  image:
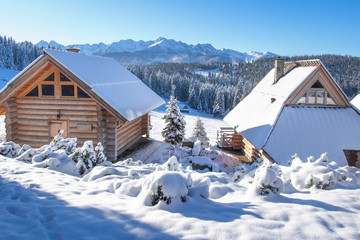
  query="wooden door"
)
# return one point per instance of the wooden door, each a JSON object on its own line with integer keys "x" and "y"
{"x": 57, "y": 125}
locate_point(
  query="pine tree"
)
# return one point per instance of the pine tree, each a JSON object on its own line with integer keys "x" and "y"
{"x": 219, "y": 108}
{"x": 199, "y": 132}
{"x": 174, "y": 130}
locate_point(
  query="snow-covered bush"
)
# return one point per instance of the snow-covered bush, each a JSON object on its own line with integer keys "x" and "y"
{"x": 9, "y": 149}
{"x": 266, "y": 179}
{"x": 60, "y": 151}
{"x": 165, "y": 187}
{"x": 174, "y": 129}
{"x": 200, "y": 133}
{"x": 69, "y": 144}
{"x": 172, "y": 164}
{"x": 130, "y": 162}
{"x": 86, "y": 157}
{"x": 313, "y": 173}
{"x": 196, "y": 148}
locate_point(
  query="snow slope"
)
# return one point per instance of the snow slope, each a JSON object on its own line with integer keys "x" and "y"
{"x": 38, "y": 203}
{"x": 109, "y": 202}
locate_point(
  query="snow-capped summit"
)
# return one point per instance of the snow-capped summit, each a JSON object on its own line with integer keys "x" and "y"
{"x": 161, "y": 50}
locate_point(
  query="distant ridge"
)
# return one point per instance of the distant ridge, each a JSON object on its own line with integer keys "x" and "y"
{"x": 141, "y": 52}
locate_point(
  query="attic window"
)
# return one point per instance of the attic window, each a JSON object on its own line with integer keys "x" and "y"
{"x": 47, "y": 90}
{"x": 317, "y": 85}
{"x": 316, "y": 95}
{"x": 82, "y": 94}
{"x": 63, "y": 78}
{"x": 34, "y": 92}
{"x": 67, "y": 90}
{"x": 50, "y": 78}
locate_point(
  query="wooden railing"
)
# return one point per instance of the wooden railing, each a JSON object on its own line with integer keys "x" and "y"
{"x": 225, "y": 137}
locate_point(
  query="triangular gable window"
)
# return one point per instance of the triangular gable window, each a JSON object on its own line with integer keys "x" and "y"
{"x": 316, "y": 95}
{"x": 317, "y": 85}
{"x": 50, "y": 78}
{"x": 34, "y": 92}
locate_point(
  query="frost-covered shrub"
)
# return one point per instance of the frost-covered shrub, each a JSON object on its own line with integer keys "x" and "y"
{"x": 266, "y": 179}
{"x": 9, "y": 149}
{"x": 87, "y": 157}
{"x": 172, "y": 164}
{"x": 196, "y": 148}
{"x": 165, "y": 187}
{"x": 28, "y": 155}
{"x": 200, "y": 133}
{"x": 130, "y": 162}
{"x": 69, "y": 144}
{"x": 312, "y": 173}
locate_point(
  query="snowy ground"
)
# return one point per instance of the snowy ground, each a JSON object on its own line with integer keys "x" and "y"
{"x": 111, "y": 202}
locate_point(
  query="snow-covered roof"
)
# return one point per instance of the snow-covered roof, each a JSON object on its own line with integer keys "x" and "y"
{"x": 256, "y": 114}
{"x": 311, "y": 131}
{"x": 112, "y": 82}
{"x": 356, "y": 101}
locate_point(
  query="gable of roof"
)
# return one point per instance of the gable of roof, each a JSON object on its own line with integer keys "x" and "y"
{"x": 257, "y": 114}
{"x": 104, "y": 78}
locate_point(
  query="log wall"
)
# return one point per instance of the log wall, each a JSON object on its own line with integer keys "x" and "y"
{"x": 28, "y": 120}
{"x": 130, "y": 132}
{"x": 241, "y": 143}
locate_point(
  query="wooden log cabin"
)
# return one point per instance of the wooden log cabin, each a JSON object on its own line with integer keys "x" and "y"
{"x": 297, "y": 108}
{"x": 89, "y": 97}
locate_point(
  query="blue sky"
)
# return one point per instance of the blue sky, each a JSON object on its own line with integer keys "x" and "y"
{"x": 284, "y": 27}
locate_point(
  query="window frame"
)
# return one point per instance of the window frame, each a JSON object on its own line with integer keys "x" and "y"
{"x": 57, "y": 83}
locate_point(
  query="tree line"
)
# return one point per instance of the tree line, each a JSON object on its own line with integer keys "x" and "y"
{"x": 218, "y": 87}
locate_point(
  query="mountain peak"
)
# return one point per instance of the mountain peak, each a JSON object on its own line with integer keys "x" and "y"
{"x": 161, "y": 50}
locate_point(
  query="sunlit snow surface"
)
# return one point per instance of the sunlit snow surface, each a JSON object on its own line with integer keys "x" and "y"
{"x": 38, "y": 203}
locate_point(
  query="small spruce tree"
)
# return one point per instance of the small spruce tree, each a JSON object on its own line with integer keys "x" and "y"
{"x": 199, "y": 132}
{"x": 174, "y": 129}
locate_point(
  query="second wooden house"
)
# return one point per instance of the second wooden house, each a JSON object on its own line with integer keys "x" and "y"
{"x": 297, "y": 108}
{"x": 89, "y": 97}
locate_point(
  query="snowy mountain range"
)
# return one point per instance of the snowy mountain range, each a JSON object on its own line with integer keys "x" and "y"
{"x": 161, "y": 50}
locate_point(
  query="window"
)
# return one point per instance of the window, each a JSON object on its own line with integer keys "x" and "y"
{"x": 81, "y": 93}
{"x": 67, "y": 90}
{"x": 50, "y": 78}
{"x": 47, "y": 90}
{"x": 34, "y": 92}
{"x": 56, "y": 85}
{"x": 316, "y": 95}
{"x": 63, "y": 78}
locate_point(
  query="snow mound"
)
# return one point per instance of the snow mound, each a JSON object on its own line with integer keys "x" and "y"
{"x": 266, "y": 180}
{"x": 319, "y": 174}
{"x": 203, "y": 162}
{"x": 165, "y": 187}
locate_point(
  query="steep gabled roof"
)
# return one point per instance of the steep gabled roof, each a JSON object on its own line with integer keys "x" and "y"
{"x": 256, "y": 114}
{"x": 107, "y": 79}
